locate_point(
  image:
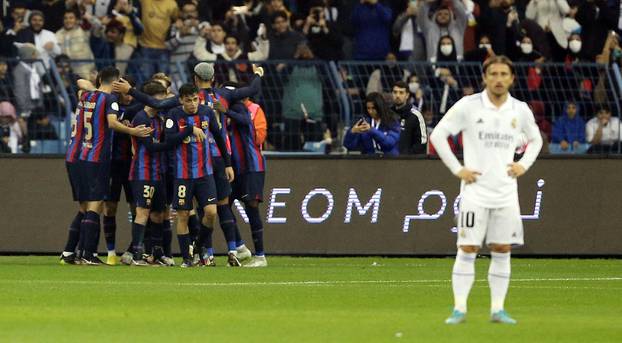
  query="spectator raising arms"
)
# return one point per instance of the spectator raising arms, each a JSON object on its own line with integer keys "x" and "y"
{"x": 378, "y": 132}
{"x": 372, "y": 24}
{"x": 443, "y": 21}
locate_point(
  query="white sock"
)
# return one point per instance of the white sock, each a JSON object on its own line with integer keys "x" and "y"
{"x": 499, "y": 279}
{"x": 462, "y": 278}
{"x": 112, "y": 253}
{"x": 241, "y": 247}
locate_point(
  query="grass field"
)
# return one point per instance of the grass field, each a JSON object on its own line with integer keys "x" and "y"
{"x": 304, "y": 300}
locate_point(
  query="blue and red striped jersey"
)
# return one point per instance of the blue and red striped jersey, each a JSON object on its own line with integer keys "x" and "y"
{"x": 147, "y": 165}
{"x": 96, "y": 139}
{"x": 77, "y": 126}
{"x": 247, "y": 155}
{"x": 208, "y": 97}
{"x": 192, "y": 159}
{"x": 121, "y": 142}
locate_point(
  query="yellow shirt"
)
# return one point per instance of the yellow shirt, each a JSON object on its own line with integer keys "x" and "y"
{"x": 157, "y": 17}
{"x": 130, "y": 37}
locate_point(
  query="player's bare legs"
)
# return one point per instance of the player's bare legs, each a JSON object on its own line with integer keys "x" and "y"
{"x": 499, "y": 281}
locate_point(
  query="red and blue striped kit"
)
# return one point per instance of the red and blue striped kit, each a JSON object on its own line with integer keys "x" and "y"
{"x": 146, "y": 165}
{"x": 192, "y": 158}
{"x": 96, "y": 139}
{"x": 77, "y": 127}
{"x": 247, "y": 155}
{"x": 208, "y": 98}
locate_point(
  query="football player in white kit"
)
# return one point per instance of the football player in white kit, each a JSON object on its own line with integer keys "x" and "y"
{"x": 493, "y": 125}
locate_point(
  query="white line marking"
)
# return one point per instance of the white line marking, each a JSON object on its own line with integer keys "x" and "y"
{"x": 281, "y": 283}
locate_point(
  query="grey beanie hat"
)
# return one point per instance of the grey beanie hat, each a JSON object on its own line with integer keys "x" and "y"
{"x": 204, "y": 70}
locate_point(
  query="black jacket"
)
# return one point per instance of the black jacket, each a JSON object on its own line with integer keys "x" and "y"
{"x": 413, "y": 136}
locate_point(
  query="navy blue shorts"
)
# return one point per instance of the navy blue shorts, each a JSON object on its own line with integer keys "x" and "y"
{"x": 149, "y": 194}
{"x": 248, "y": 186}
{"x": 203, "y": 189}
{"x": 223, "y": 187}
{"x": 94, "y": 178}
{"x": 74, "y": 179}
{"x": 119, "y": 178}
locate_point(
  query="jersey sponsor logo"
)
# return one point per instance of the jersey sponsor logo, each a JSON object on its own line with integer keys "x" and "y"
{"x": 169, "y": 123}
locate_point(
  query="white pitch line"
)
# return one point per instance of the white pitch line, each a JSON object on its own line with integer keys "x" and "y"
{"x": 280, "y": 283}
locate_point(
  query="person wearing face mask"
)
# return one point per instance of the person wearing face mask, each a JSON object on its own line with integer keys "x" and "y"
{"x": 416, "y": 90}
{"x": 482, "y": 52}
{"x": 526, "y": 52}
{"x": 413, "y": 134}
{"x": 443, "y": 22}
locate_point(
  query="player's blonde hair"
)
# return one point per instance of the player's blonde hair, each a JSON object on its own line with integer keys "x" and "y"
{"x": 499, "y": 59}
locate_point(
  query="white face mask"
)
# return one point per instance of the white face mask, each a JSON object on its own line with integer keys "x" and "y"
{"x": 413, "y": 87}
{"x": 526, "y": 48}
{"x": 447, "y": 49}
{"x": 575, "y": 45}
{"x": 485, "y": 46}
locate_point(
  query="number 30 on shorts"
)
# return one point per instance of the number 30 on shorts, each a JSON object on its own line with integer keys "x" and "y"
{"x": 467, "y": 219}
{"x": 148, "y": 191}
{"x": 181, "y": 191}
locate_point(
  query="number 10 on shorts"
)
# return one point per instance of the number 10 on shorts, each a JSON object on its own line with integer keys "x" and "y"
{"x": 467, "y": 219}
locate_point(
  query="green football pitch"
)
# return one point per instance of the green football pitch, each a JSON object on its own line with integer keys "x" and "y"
{"x": 304, "y": 300}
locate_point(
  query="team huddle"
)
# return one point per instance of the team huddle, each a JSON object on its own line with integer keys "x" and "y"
{"x": 194, "y": 154}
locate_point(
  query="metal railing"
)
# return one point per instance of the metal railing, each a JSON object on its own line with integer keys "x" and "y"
{"x": 309, "y": 104}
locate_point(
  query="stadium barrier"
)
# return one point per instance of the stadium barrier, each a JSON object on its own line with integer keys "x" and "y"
{"x": 352, "y": 206}
{"x": 310, "y": 104}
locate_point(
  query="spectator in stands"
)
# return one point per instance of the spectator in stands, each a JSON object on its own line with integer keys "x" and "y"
{"x": 269, "y": 10}
{"x": 303, "y": 101}
{"x": 40, "y": 127}
{"x": 378, "y": 132}
{"x": 372, "y": 24}
{"x": 603, "y": 132}
{"x": 430, "y": 120}
{"x": 152, "y": 42}
{"x": 574, "y": 53}
{"x": 483, "y": 51}
{"x": 44, "y": 40}
{"x": 6, "y": 84}
{"x": 406, "y": 28}
{"x": 7, "y": 49}
{"x": 210, "y": 43}
{"x": 16, "y": 20}
{"x": 597, "y": 19}
{"x": 417, "y": 90}
{"x": 569, "y": 129}
{"x": 551, "y": 15}
{"x": 184, "y": 33}
{"x": 27, "y": 80}
{"x": 238, "y": 72}
{"x": 10, "y": 129}
{"x": 69, "y": 79}
{"x": 382, "y": 79}
{"x": 324, "y": 39}
{"x": 527, "y": 53}
{"x": 498, "y": 20}
{"x": 126, "y": 14}
{"x": 74, "y": 42}
{"x": 54, "y": 13}
{"x": 235, "y": 25}
{"x": 413, "y": 134}
{"x": 283, "y": 41}
{"x": 611, "y": 52}
{"x": 118, "y": 49}
{"x": 441, "y": 22}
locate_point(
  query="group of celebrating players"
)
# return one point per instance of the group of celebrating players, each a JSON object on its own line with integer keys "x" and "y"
{"x": 194, "y": 153}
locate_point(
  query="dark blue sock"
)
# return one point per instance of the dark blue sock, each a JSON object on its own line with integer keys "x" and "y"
{"x": 227, "y": 224}
{"x": 167, "y": 237}
{"x": 238, "y": 237}
{"x": 138, "y": 233}
{"x": 110, "y": 231}
{"x": 157, "y": 231}
{"x": 147, "y": 236}
{"x": 91, "y": 233}
{"x": 184, "y": 246}
{"x": 193, "y": 227}
{"x": 256, "y": 229}
{"x": 206, "y": 239}
{"x": 74, "y": 233}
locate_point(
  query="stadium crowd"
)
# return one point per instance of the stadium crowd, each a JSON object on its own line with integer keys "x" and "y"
{"x": 436, "y": 37}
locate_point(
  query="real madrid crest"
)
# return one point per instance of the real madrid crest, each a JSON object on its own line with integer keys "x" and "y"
{"x": 514, "y": 123}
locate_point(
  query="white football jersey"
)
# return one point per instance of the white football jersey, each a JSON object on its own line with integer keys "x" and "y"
{"x": 490, "y": 136}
